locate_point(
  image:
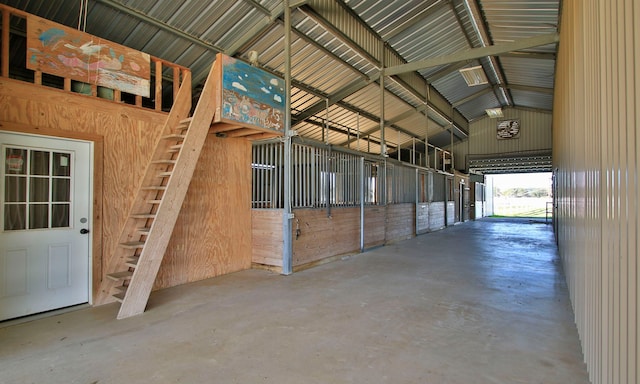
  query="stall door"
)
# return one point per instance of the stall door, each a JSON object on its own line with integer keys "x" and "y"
{"x": 45, "y": 221}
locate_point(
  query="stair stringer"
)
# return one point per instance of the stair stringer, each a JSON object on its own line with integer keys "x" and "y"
{"x": 150, "y": 258}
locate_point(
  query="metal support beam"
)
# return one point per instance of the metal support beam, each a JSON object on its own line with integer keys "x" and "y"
{"x": 336, "y": 97}
{"x": 297, "y": 3}
{"x": 472, "y": 97}
{"x": 160, "y": 25}
{"x": 446, "y": 71}
{"x": 255, "y": 30}
{"x": 287, "y": 252}
{"x": 529, "y": 55}
{"x": 474, "y": 53}
{"x": 481, "y": 30}
{"x": 362, "y": 192}
{"x": 548, "y": 91}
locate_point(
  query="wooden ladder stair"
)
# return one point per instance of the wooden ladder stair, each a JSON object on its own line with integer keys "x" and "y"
{"x": 146, "y": 234}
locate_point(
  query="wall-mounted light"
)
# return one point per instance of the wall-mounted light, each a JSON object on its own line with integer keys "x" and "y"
{"x": 494, "y": 113}
{"x": 474, "y": 76}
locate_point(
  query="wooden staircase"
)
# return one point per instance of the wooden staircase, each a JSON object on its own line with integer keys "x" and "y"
{"x": 153, "y": 215}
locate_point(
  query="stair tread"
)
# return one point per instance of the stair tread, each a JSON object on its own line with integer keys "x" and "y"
{"x": 133, "y": 261}
{"x": 164, "y": 161}
{"x": 177, "y": 136}
{"x": 133, "y": 244}
{"x": 119, "y": 296}
{"x": 155, "y": 187}
{"x": 143, "y": 215}
{"x": 121, "y": 288}
{"x": 143, "y": 230}
{"x": 165, "y": 174}
{"x": 117, "y": 276}
{"x": 154, "y": 201}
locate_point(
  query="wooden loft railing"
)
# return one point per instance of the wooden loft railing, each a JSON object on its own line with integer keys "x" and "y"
{"x": 163, "y": 73}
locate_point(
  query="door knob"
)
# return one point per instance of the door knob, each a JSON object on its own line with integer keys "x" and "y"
{"x": 84, "y": 231}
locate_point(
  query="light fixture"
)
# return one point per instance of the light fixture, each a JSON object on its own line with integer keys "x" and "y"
{"x": 494, "y": 112}
{"x": 474, "y": 75}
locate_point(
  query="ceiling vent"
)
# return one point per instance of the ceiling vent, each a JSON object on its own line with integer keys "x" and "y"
{"x": 474, "y": 76}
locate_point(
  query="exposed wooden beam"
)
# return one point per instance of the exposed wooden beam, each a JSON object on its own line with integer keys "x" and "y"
{"x": 474, "y": 53}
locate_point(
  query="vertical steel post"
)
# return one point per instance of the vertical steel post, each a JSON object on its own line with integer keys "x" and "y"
{"x": 326, "y": 122}
{"x": 287, "y": 253}
{"x": 383, "y": 145}
{"x": 417, "y": 205}
{"x": 362, "y": 187}
{"x": 358, "y": 127}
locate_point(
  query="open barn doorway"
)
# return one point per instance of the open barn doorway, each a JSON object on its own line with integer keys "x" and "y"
{"x": 521, "y": 195}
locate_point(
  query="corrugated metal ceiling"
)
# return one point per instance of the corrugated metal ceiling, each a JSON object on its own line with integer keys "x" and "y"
{"x": 337, "y": 46}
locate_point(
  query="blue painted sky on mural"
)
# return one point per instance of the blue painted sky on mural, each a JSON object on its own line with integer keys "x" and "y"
{"x": 253, "y": 82}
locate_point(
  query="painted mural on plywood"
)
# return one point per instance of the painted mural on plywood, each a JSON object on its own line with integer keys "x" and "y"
{"x": 58, "y": 50}
{"x": 252, "y": 95}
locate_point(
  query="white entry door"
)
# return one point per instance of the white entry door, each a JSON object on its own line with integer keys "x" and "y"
{"x": 44, "y": 223}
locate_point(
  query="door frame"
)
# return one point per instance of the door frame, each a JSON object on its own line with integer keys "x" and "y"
{"x": 96, "y": 234}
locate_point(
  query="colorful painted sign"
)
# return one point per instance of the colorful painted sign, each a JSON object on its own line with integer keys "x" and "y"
{"x": 58, "y": 50}
{"x": 252, "y": 95}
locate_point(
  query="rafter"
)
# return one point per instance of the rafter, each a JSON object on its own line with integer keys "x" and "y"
{"x": 473, "y": 53}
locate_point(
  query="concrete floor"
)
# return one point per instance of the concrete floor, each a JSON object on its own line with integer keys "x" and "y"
{"x": 482, "y": 302}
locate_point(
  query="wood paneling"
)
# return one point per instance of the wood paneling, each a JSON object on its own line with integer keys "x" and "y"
{"x": 321, "y": 236}
{"x": 127, "y": 134}
{"x": 268, "y": 243}
{"x": 422, "y": 218}
{"x": 451, "y": 212}
{"x": 436, "y": 216}
{"x": 212, "y": 236}
{"x": 400, "y": 222}
{"x": 374, "y": 226}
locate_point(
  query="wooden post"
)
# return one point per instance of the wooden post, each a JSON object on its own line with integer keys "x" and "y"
{"x": 158, "y": 85}
{"x": 6, "y": 29}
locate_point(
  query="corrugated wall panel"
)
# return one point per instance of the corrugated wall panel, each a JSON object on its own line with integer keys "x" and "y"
{"x": 535, "y": 133}
{"x": 596, "y": 180}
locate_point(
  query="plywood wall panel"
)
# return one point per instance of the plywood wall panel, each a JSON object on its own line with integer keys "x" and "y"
{"x": 436, "y": 215}
{"x": 451, "y": 213}
{"x": 126, "y": 136}
{"x": 374, "y": 226}
{"x": 268, "y": 243}
{"x": 323, "y": 236}
{"x": 422, "y": 218}
{"x": 212, "y": 236}
{"x": 400, "y": 222}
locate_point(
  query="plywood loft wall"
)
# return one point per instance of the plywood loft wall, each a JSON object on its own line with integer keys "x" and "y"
{"x": 596, "y": 142}
{"x": 213, "y": 231}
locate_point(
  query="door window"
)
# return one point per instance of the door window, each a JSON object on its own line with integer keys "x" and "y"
{"x": 37, "y": 189}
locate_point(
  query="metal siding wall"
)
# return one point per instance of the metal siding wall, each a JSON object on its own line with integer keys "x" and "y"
{"x": 595, "y": 157}
{"x": 535, "y": 133}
